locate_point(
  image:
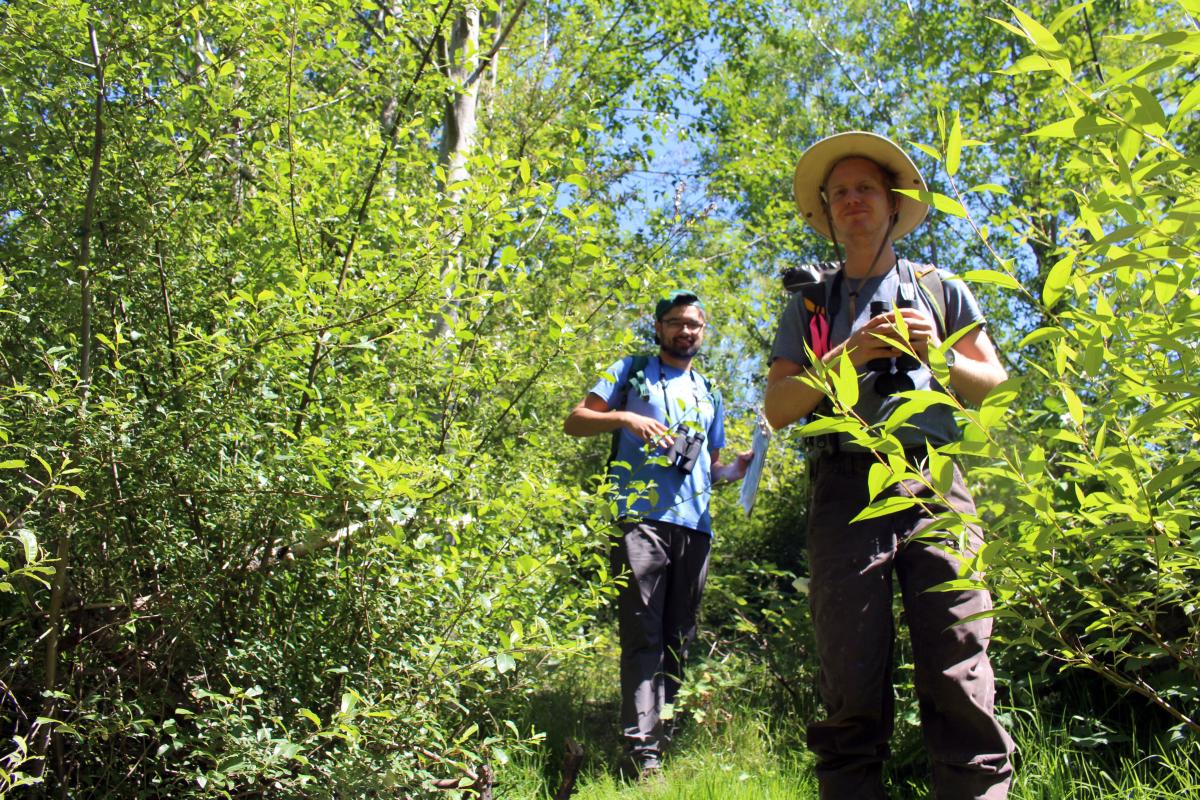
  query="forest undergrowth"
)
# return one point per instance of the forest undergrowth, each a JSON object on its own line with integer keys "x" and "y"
{"x": 742, "y": 741}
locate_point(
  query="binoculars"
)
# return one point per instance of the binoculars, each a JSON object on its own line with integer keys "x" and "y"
{"x": 893, "y": 372}
{"x": 685, "y": 450}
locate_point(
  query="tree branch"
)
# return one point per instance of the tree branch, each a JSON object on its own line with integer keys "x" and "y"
{"x": 83, "y": 257}
{"x": 487, "y": 59}
{"x": 364, "y": 206}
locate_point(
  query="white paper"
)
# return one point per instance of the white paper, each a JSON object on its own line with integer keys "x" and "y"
{"x": 762, "y": 438}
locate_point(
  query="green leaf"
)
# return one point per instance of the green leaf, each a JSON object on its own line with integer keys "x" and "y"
{"x": 1066, "y": 14}
{"x": 1036, "y": 33}
{"x": 845, "y": 382}
{"x": 1189, "y": 101}
{"x": 1129, "y": 141}
{"x": 505, "y": 663}
{"x": 915, "y": 402}
{"x": 1152, "y": 417}
{"x": 1009, "y": 27}
{"x": 13, "y": 463}
{"x": 885, "y": 507}
{"x": 1164, "y": 477}
{"x": 1179, "y": 41}
{"x": 993, "y": 276}
{"x": 1166, "y": 285}
{"x": 1027, "y": 64}
{"x": 1074, "y": 404}
{"x": 824, "y": 425}
{"x": 1074, "y": 127}
{"x": 927, "y": 150}
{"x": 878, "y": 478}
{"x": 941, "y": 469}
{"x": 1041, "y": 335}
{"x": 1057, "y": 279}
{"x": 1147, "y": 110}
{"x": 1149, "y": 68}
{"x": 29, "y": 542}
{"x": 954, "y": 146}
{"x": 939, "y": 201}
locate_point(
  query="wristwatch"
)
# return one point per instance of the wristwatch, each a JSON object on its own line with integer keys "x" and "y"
{"x": 950, "y": 358}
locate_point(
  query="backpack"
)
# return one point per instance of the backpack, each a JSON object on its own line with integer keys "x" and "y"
{"x": 637, "y": 380}
{"x": 819, "y": 284}
{"x": 820, "y": 287}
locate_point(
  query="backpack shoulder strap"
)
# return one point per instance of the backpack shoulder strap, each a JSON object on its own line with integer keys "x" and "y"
{"x": 635, "y": 378}
{"x": 822, "y": 300}
{"x": 931, "y": 285}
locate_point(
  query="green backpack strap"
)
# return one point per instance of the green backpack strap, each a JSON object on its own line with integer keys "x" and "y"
{"x": 636, "y": 378}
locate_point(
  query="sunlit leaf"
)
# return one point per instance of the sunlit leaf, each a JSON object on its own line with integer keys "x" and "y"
{"x": 1057, "y": 279}
{"x": 992, "y": 276}
{"x": 1036, "y": 33}
{"x": 954, "y": 146}
{"x": 939, "y": 201}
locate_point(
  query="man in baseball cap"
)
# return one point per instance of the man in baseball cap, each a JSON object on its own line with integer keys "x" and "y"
{"x": 845, "y": 187}
{"x": 668, "y": 428}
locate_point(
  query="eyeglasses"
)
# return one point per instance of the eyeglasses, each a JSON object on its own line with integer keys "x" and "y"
{"x": 683, "y": 324}
{"x": 893, "y": 374}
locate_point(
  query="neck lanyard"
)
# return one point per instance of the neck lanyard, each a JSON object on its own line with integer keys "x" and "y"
{"x": 907, "y": 290}
{"x": 662, "y": 386}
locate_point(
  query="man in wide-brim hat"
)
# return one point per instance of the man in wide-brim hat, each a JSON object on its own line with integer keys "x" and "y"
{"x": 845, "y": 187}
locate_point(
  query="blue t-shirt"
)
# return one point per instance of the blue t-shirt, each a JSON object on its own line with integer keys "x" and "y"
{"x": 936, "y": 424}
{"x": 657, "y": 491}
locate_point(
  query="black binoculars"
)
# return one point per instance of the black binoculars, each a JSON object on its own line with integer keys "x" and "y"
{"x": 893, "y": 372}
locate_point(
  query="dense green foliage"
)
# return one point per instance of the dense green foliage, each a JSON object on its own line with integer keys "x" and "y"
{"x": 282, "y": 387}
{"x": 293, "y": 300}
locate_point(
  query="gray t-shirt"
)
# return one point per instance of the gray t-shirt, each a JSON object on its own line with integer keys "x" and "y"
{"x": 936, "y": 424}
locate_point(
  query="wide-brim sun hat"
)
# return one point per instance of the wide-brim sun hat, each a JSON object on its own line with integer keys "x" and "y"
{"x": 814, "y": 167}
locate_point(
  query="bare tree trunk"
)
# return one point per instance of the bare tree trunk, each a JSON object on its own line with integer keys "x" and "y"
{"x": 458, "y": 137}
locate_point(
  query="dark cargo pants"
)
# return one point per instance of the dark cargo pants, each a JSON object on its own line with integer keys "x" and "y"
{"x": 852, "y": 571}
{"x": 665, "y": 567}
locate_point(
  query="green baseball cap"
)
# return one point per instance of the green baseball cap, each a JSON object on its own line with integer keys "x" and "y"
{"x": 677, "y": 297}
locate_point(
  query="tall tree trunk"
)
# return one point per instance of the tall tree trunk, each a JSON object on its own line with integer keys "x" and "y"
{"x": 458, "y": 137}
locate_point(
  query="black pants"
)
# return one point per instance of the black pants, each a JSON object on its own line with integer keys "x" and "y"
{"x": 665, "y": 566}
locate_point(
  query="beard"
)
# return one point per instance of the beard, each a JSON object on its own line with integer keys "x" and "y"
{"x": 679, "y": 348}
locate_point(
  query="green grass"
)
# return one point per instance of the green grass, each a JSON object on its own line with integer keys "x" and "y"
{"x": 1053, "y": 766}
{"x": 739, "y": 746}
